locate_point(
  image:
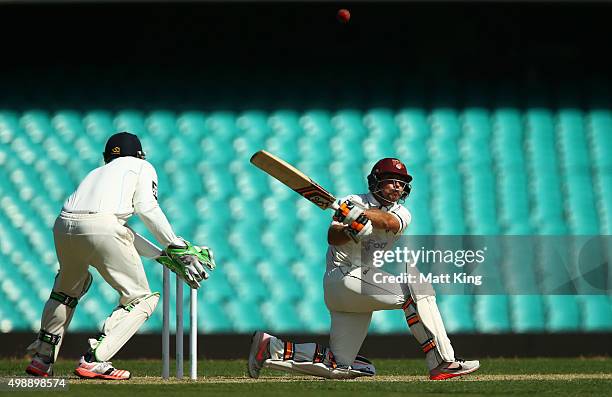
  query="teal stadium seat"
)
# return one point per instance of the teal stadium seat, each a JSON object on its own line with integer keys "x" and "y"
{"x": 185, "y": 184}
{"x": 286, "y": 130}
{"x": 285, "y": 123}
{"x": 457, "y": 313}
{"x": 476, "y": 123}
{"x": 246, "y": 243}
{"x": 218, "y": 143}
{"x": 218, "y": 182}
{"x": 36, "y": 125}
{"x": 600, "y": 125}
{"x": 250, "y": 181}
{"x": 282, "y": 315}
{"x": 381, "y": 122}
{"x": 492, "y": 313}
{"x": 9, "y": 319}
{"x": 10, "y": 127}
{"x": 178, "y": 211}
{"x": 347, "y": 178}
{"x": 274, "y": 207}
{"x": 527, "y": 312}
{"x": 162, "y": 126}
{"x": 445, "y": 123}
{"x": 388, "y": 321}
{"x": 218, "y": 289}
{"x": 246, "y": 145}
{"x": 245, "y": 315}
{"x": 133, "y": 121}
{"x": 604, "y": 187}
{"x": 279, "y": 240}
{"x": 67, "y": 125}
{"x": 246, "y": 210}
{"x": 99, "y": 126}
{"x": 348, "y": 150}
{"x": 280, "y": 281}
{"x": 444, "y": 151}
{"x": 597, "y": 312}
{"x": 254, "y": 124}
{"x": 314, "y": 314}
{"x": 413, "y": 152}
{"x": 314, "y": 143}
{"x": 571, "y": 132}
{"x": 562, "y": 313}
{"x": 348, "y": 123}
{"x": 413, "y": 125}
{"x": 309, "y": 272}
{"x": 507, "y": 123}
{"x": 222, "y": 125}
{"x": 246, "y": 281}
{"x": 213, "y": 319}
{"x": 192, "y": 124}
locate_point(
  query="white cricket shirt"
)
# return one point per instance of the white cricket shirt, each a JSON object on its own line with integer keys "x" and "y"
{"x": 125, "y": 186}
{"x": 349, "y": 254}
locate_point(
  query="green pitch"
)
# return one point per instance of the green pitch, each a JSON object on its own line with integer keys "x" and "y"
{"x": 554, "y": 377}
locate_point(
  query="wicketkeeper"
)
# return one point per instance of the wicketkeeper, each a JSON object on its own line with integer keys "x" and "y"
{"x": 352, "y": 292}
{"x": 91, "y": 231}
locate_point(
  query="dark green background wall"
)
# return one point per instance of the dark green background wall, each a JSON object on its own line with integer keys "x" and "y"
{"x": 272, "y": 54}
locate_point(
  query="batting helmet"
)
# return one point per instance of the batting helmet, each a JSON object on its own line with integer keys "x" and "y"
{"x": 389, "y": 168}
{"x": 123, "y": 144}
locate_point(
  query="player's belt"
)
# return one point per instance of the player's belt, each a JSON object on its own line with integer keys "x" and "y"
{"x": 77, "y": 212}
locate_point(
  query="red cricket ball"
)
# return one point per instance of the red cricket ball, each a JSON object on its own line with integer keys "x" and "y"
{"x": 343, "y": 15}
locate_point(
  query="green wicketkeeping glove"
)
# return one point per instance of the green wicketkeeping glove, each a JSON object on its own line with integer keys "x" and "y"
{"x": 188, "y": 262}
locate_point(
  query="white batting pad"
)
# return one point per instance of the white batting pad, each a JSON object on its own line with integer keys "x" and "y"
{"x": 430, "y": 317}
{"x": 121, "y": 325}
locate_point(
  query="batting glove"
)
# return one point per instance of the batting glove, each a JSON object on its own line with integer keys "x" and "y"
{"x": 360, "y": 228}
{"x": 347, "y": 213}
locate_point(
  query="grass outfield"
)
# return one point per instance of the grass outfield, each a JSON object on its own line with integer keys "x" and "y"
{"x": 567, "y": 377}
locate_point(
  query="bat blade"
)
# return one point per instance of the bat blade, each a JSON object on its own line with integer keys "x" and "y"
{"x": 294, "y": 179}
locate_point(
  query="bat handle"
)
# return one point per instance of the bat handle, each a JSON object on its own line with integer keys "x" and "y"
{"x": 360, "y": 206}
{"x": 334, "y": 205}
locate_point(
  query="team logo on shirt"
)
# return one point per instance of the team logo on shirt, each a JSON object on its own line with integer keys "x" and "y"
{"x": 154, "y": 188}
{"x": 116, "y": 150}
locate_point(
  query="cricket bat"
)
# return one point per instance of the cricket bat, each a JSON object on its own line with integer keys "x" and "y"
{"x": 294, "y": 179}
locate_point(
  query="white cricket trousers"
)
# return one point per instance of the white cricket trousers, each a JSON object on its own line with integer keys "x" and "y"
{"x": 351, "y": 301}
{"x": 353, "y": 293}
{"x": 99, "y": 240}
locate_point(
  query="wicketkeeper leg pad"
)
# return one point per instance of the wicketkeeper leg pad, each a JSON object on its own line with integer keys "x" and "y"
{"x": 122, "y": 325}
{"x": 314, "y": 359}
{"x": 56, "y": 317}
{"x": 425, "y": 322}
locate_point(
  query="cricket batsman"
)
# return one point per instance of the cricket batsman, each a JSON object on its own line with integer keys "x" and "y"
{"x": 351, "y": 293}
{"x": 91, "y": 231}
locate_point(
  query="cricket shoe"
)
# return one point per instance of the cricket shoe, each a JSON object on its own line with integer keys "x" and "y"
{"x": 100, "y": 370}
{"x": 40, "y": 366}
{"x": 260, "y": 351}
{"x": 458, "y": 367}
